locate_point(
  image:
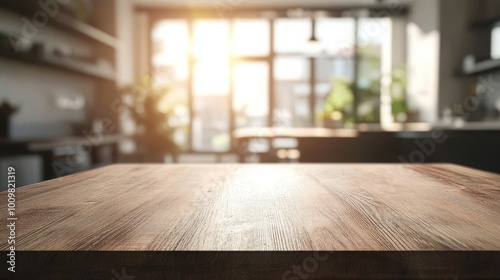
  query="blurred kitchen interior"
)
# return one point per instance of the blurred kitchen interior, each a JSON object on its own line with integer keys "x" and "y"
{"x": 85, "y": 83}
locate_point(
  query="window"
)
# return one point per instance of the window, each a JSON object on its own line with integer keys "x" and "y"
{"x": 292, "y": 91}
{"x": 371, "y": 42}
{"x": 251, "y": 37}
{"x": 210, "y": 127}
{"x": 227, "y": 73}
{"x": 336, "y": 35}
{"x": 291, "y": 35}
{"x": 251, "y": 94}
{"x": 170, "y": 62}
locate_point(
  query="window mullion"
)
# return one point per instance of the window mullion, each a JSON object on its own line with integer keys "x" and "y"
{"x": 190, "y": 83}
{"x": 356, "y": 59}
{"x": 271, "y": 73}
{"x": 231, "y": 85}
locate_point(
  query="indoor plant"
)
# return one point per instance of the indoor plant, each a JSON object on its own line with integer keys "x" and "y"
{"x": 150, "y": 105}
{"x": 337, "y": 111}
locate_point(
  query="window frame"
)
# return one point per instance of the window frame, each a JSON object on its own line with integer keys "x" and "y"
{"x": 230, "y": 16}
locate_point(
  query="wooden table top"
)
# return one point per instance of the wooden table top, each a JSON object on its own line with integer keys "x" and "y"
{"x": 261, "y": 207}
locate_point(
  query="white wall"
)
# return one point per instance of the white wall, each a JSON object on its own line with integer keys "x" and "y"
{"x": 126, "y": 60}
{"x": 423, "y": 58}
{"x": 125, "y": 33}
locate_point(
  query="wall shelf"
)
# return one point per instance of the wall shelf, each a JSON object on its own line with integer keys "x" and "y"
{"x": 482, "y": 67}
{"x": 63, "y": 21}
{"x": 485, "y": 24}
{"x": 87, "y": 30}
{"x": 85, "y": 49}
{"x": 82, "y": 68}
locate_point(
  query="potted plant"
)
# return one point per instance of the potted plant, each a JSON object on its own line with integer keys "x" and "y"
{"x": 6, "y": 111}
{"x": 398, "y": 95}
{"x": 151, "y": 106}
{"x": 337, "y": 111}
{"x": 401, "y": 111}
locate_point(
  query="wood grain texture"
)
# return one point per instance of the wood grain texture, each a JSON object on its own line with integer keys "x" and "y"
{"x": 315, "y": 207}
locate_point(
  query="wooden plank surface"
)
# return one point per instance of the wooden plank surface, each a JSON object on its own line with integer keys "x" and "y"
{"x": 261, "y": 207}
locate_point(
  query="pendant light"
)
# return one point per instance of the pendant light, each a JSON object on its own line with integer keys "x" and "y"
{"x": 313, "y": 45}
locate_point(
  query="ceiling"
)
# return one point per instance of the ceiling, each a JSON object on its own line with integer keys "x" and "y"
{"x": 263, "y": 3}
